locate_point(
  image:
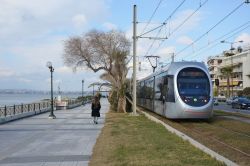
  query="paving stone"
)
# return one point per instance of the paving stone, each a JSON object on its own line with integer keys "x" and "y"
{"x": 39, "y": 141}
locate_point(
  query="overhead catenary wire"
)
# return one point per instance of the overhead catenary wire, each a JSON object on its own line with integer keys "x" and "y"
{"x": 150, "y": 19}
{"x": 215, "y": 42}
{"x": 181, "y": 24}
{"x": 238, "y": 30}
{"x": 161, "y": 26}
{"x": 214, "y": 26}
{"x": 165, "y": 22}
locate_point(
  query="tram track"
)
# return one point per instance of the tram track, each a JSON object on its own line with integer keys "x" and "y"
{"x": 215, "y": 136}
{"x": 219, "y": 141}
{"x": 230, "y": 130}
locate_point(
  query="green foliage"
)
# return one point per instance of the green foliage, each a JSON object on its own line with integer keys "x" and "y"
{"x": 246, "y": 92}
{"x": 227, "y": 70}
{"x": 240, "y": 93}
{"x": 215, "y": 92}
{"x": 113, "y": 100}
{"x": 84, "y": 97}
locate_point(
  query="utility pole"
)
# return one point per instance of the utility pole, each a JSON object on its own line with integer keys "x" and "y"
{"x": 82, "y": 87}
{"x": 172, "y": 57}
{"x": 134, "y": 59}
{"x": 135, "y": 37}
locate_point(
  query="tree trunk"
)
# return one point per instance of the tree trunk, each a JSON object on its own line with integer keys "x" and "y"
{"x": 228, "y": 88}
{"x": 122, "y": 104}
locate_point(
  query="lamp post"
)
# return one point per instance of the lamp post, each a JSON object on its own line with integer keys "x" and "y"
{"x": 82, "y": 87}
{"x": 49, "y": 65}
{"x": 231, "y": 43}
{"x": 231, "y": 49}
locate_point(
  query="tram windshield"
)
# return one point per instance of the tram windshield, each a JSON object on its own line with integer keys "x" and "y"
{"x": 193, "y": 86}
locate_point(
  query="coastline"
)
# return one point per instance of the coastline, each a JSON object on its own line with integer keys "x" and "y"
{"x": 18, "y": 99}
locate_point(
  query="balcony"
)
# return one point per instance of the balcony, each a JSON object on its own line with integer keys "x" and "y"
{"x": 234, "y": 83}
{"x": 229, "y": 64}
{"x": 212, "y": 72}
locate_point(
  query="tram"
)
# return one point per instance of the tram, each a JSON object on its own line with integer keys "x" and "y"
{"x": 181, "y": 90}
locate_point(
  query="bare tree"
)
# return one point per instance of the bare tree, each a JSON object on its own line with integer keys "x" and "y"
{"x": 107, "y": 51}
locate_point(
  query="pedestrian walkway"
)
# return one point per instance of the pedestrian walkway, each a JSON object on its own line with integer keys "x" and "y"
{"x": 67, "y": 140}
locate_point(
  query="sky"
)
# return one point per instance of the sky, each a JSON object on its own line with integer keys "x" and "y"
{"x": 33, "y": 33}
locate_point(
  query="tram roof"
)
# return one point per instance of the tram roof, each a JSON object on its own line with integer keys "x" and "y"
{"x": 174, "y": 65}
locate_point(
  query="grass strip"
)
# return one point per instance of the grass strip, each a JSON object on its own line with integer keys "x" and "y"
{"x": 223, "y": 113}
{"x": 127, "y": 140}
{"x": 225, "y": 130}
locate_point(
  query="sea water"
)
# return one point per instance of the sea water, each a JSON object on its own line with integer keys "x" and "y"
{"x": 11, "y": 99}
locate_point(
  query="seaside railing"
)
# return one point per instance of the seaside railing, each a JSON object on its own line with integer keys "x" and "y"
{"x": 43, "y": 106}
{"x": 23, "y": 108}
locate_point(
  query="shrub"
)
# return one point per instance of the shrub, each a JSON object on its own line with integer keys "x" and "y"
{"x": 246, "y": 91}
{"x": 113, "y": 100}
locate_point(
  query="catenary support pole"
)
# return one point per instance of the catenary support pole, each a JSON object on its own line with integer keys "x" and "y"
{"x": 134, "y": 59}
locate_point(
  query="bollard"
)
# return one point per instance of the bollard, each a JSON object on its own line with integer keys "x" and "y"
{"x": 5, "y": 111}
{"x": 39, "y": 106}
{"x": 14, "y": 109}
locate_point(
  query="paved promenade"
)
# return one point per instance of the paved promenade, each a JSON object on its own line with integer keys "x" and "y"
{"x": 67, "y": 140}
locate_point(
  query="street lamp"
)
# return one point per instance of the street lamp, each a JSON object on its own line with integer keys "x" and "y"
{"x": 49, "y": 65}
{"x": 231, "y": 43}
{"x": 82, "y": 87}
{"x": 232, "y": 48}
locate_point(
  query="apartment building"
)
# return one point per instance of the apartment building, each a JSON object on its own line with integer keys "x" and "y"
{"x": 239, "y": 61}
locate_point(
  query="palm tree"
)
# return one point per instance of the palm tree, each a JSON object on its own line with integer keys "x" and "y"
{"x": 228, "y": 72}
{"x": 117, "y": 78}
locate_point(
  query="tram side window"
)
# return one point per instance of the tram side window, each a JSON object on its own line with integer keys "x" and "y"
{"x": 146, "y": 90}
{"x": 142, "y": 87}
{"x": 149, "y": 89}
{"x": 170, "y": 89}
{"x": 158, "y": 88}
{"x": 152, "y": 88}
{"x": 139, "y": 90}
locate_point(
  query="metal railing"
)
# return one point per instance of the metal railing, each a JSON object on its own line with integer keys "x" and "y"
{"x": 6, "y": 111}
{"x": 23, "y": 108}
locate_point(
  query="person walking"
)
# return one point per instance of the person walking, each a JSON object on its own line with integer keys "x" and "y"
{"x": 96, "y": 106}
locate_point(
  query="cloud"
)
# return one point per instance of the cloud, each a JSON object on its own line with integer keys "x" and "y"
{"x": 64, "y": 70}
{"x": 109, "y": 26}
{"x": 28, "y": 20}
{"x": 24, "y": 80}
{"x": 184, "y": 40}
{"x": 79, "y": 20}
{"x": 35, "y": 56}
{"x": 166, "y": 50}
{"x": 6, "y": 73}
{"x": 189, "y": 24}
{"x": 245, "y": 37}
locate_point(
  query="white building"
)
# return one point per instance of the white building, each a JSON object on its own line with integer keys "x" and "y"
{"x": 239, "y": 79}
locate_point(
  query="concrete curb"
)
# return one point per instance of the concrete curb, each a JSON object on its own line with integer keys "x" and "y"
{"x": 191, "y": 140}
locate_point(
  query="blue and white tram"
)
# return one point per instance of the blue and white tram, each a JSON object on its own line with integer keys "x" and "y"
{"x": 182, "y": 90}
